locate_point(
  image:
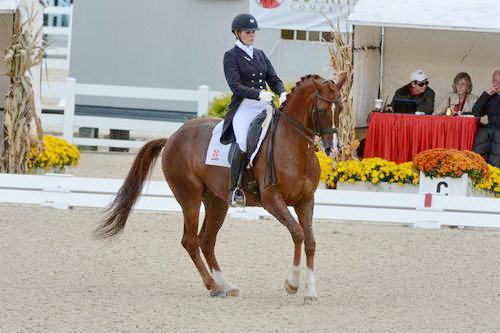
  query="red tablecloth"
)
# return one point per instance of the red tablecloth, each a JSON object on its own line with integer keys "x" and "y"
{"x": 399, "y": 137}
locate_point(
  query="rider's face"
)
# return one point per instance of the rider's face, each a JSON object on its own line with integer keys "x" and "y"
{"x": 247, "y": 37}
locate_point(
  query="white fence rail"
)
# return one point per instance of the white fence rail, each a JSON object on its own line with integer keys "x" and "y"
{"x": 63, "y": 191}
{"x": 68, "y": 121}
{"x": 58, "y": 57}
{"x": 56, "y": 10}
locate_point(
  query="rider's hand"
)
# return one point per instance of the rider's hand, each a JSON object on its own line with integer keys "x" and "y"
{"x": 283, "y": 97}
{"x": 266, "y": 96}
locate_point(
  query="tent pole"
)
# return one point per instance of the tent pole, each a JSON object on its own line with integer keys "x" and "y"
{"x": 381, "y": 85}
{"x": 279, "y": 54}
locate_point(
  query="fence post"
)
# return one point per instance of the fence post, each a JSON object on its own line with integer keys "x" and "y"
{"x": 69, "y": 109}
{"x": 202, "y": 101}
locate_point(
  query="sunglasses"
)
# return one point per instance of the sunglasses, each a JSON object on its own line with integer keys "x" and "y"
{"x": 422, "y": 83}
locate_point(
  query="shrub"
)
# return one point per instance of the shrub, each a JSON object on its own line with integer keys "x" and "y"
{"x": 372, "y": 170}
{"x": 56, "y": 154}
{"x": 452, "y": 163}
{"x": 219, "y": 106}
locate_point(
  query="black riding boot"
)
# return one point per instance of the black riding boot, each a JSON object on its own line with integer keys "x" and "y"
{"x": 238, "y": 163}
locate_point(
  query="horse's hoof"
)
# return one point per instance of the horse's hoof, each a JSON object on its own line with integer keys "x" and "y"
{"x": 233, "y": 292}
{"x": 291, "y": 290}
{"x": 309, "y": 299}
{"x": 217, "y": 293}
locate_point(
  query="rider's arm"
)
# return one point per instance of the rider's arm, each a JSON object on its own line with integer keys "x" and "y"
{"x": 272, "y": 79}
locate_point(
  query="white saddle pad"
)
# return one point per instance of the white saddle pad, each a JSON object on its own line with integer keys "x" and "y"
{"x": 218, "y": 154}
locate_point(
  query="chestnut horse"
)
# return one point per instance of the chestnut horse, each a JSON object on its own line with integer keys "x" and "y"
{"x": 306, "y": 112}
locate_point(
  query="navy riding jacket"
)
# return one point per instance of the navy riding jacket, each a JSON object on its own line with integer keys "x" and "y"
{"x": 246, "y": 77}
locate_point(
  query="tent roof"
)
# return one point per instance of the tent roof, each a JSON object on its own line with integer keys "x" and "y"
{"x": 9, "y": 6}
{"x": 471, "y": 15}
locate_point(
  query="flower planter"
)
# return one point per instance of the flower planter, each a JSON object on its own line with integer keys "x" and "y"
{"x": 322, "y": 185}
{"x": 378, "y": 187}
{"x": 445, "y": 186}
{"x": 476, "y": 192}
{"x": 40, "y": 171}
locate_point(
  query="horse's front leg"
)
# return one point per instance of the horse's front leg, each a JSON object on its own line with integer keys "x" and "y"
{"x": 305, "y": 214}
{"x": 274, "y": 204}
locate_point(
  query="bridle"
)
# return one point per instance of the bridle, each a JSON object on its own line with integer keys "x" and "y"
{"x": 314, "y": 114}
{"x": 317, "y": 111}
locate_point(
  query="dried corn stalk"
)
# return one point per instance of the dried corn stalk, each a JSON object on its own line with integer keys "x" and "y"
{"x": 26, "y": 50}
{"x": 340, "y": 49}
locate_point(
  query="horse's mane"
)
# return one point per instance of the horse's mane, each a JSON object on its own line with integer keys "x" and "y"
{"x": 299, "y": 84}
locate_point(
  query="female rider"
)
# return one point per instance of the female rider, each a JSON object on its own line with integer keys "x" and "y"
{"x": 247, "y": 71}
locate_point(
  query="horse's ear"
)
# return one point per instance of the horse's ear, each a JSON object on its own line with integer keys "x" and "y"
{"x": 341, "y": 78}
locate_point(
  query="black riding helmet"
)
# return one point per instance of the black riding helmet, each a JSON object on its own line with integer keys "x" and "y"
{"x": 244, "y": 22}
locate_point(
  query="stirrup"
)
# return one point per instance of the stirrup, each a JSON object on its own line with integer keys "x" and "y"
{"x": 237, "y": 198}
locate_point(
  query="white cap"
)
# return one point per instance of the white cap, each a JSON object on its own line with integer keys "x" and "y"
{"x": 418, "y": 75}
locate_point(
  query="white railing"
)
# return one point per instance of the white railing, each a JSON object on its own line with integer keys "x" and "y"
{"x": 68, "y": 121}
{"x": 63, "y": 191}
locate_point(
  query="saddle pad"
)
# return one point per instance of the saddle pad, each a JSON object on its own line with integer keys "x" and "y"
{"x": 218, "y": 154}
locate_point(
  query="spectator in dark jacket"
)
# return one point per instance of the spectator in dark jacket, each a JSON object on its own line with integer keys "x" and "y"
{"x": 416, "y": 96}
{"x": 488, "y": 137}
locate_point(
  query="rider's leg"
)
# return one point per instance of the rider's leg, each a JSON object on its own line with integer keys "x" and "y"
{"x": 238, "y": 162}
{"x": 237, "y": 155}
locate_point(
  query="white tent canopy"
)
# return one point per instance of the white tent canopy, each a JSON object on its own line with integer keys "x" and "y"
{"x": 442, "y": 37}
{"x": 9, "y": 6}
{"x": 471, "y": 15}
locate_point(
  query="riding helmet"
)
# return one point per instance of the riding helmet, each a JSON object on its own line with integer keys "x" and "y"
{"x": 244, "y": 22}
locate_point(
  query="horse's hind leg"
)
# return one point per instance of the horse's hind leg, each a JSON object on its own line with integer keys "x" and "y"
{"x": 215, "y": 213}
{"x": 189, "y": 196}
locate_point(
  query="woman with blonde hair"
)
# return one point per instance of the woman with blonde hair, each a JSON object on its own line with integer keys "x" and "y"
{"x": 461, "y": 100}
{"x": 248, "y": 71}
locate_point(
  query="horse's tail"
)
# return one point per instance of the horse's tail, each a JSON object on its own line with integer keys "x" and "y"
{"x": 120, "y": 207}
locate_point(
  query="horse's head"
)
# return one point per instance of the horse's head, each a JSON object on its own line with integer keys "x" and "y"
{"x": 322, "y": 100}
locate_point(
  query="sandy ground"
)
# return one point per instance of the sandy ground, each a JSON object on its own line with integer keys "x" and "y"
{"x": 109, "y": 165}
{"x": 370, "y": 277}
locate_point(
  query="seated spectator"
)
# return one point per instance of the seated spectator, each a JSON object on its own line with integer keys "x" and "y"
{"x": 416, "y": 96}
{"x": 488, "y": 137}
{"x": 461, "y": 100}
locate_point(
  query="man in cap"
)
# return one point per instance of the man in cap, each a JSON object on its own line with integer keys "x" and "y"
{"x": 416, "y": 96}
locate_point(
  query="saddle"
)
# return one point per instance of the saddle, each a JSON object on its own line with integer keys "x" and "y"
{"x": 249, "y": 183}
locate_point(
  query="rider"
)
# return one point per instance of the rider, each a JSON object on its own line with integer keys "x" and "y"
{"x": 247, "y": 71}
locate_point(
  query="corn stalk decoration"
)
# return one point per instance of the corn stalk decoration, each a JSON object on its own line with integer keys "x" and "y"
{"x": 22, "y": 127}
{"x": 340, "y": 49}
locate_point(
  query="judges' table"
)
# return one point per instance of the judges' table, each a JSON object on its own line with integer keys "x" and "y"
{"x": 399, "y": 137}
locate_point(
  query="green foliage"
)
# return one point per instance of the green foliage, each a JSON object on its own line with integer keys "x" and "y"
{"x": 219, "y": 106}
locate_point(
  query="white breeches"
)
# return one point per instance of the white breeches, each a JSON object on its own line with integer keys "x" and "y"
{"x": 247, "y": 111}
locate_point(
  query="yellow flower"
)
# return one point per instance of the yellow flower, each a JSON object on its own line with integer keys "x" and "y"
{"x": 56, "y": 153}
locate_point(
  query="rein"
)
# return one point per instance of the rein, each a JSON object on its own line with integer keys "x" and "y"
{"x": 307, "y": 133}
